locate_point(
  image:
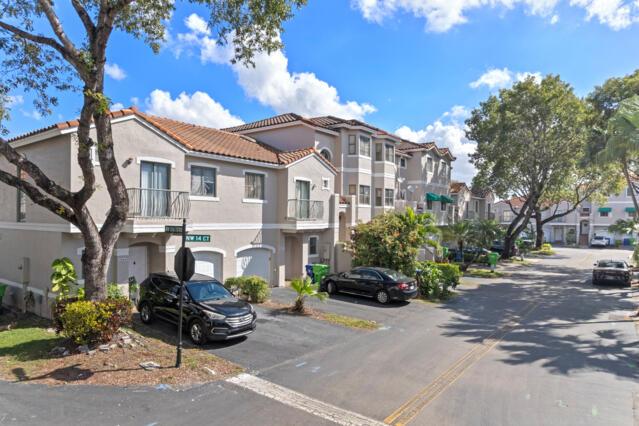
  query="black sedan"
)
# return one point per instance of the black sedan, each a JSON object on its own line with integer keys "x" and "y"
{"x": 210, "y": 312}
{"x": 381, "y": 283}
{"x": 611, "y": 270}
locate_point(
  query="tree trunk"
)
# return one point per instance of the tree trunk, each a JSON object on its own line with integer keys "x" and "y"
{"x": 539, "y": 230}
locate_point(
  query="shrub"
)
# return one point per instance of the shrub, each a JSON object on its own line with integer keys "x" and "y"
{"x": 90, "y": 322}
{"x": 451, "y": 272}
{"x": 429, "y": 279}
{"x": 253, "y": 287}
{"x": 304, "y": 288}
{"x": 546, "y": 247}
{"x": 114, "y": 292}
{"x": 64, "y": 279}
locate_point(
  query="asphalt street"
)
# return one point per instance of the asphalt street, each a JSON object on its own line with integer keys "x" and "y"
{"x": 540, "y": 346}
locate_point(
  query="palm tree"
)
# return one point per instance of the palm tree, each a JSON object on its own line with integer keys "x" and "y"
{"x": 460, "y": 233}
{"x": 484, "y": 232}
{"x": 305, "y": 288}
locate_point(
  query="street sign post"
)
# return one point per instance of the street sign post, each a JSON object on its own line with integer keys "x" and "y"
{"x": 184, "y": 268}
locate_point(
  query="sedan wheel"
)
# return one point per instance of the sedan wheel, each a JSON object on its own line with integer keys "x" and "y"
{"x": 145, "y": 313}
{"x": 197, "y": 333}
{"x": 331, "y": 288}
{"x": 382, "y": 297}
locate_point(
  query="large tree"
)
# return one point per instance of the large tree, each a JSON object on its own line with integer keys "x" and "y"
{"x": 530, "y": 139}
{"x": 42, "y": 57}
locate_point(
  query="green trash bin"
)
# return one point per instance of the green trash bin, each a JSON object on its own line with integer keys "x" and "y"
{"x": 445, "y": 252}
{"x": 492, "y": 260}
{"x": 319, "y": 272}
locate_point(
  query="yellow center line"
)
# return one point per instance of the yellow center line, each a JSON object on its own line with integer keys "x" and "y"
{"x": 410, "y": 409}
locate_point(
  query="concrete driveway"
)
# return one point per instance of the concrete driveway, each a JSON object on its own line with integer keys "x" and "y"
{"x": 539, "y": 347}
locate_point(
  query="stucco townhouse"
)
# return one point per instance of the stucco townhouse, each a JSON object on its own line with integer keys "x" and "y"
{"x": 471, "y": 203}
{"x": 589, "y": 219}
{"x": 263, "y": 210}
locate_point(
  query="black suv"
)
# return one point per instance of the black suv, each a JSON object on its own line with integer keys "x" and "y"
{"x": 210, "y": 311}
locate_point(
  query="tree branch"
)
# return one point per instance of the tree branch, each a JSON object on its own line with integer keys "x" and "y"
{"x": 33, "y": 37}
{"x": 56, "y": 26}
{"x": 38, "y": 176}
{"x": 89, "y": 26}
{"x": 39, "y": 198}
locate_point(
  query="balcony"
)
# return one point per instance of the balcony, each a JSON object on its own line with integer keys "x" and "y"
{"x": 305, "y": 210}
{"x": 158, "y": 203}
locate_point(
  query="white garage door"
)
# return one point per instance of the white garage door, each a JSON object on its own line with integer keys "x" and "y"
{"x": 208, "y": 263}
{"x": 255, "y": 261}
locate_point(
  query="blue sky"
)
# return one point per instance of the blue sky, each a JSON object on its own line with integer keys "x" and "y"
{"x": 408, "y": 69}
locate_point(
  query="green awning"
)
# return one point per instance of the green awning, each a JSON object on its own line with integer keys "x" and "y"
{"x": 605, "y": 209}
{"x": 446, "y": 199}
{"x": 431, "y": 196}
{"x": 631, "y": 209}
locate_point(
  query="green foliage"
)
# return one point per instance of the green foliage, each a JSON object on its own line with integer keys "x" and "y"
{"x": 91, "y": 322}
{"x": 430, "y": 280}
{"x": 624, "y": 227}
{"x": 63, "y": 279}
{"x": 451, "y": 272}
{"x": 252, "y": 287}
{"x": 546, "y": 247}
{"x": 305, "y": 288}
{"x": 460, "y": 233}
{"x": 392, "y": 240}
{"x": 114, "y": 292}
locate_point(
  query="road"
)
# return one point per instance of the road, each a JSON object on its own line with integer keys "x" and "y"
{"x": 538, "y": 347}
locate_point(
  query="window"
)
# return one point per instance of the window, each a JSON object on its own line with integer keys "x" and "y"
{"x": 365, "y": 194}
{"x": 352, "y": 189}
{"x": 203, "y": 181}
{"x": 629, "y": 192}
{"x": 443, "y": 206}
{"x": 21, "y": 200}
{"x": 378, "y": 197}
{"x": 352, "y": 145}
{"x": 378, "y": 152}
{"x": 326, "y": 154}
{"x": 429, "y": 204}
{"x": 326, "y": 183}
{"x": 254, "y": 186}
{"x": 476, "y": 206}
{"x": 389, "y": 197}
{"x": 389, "y": 153}
{"x": 312, "y": 246}
{"x": 442, "y": 168}
{"x": 370, "y": 275}
{"x": 429, "y": 164}
{"x": 603, "y": 213}
{"x": 402, "y": 163}
{"x": 365, "y": 146}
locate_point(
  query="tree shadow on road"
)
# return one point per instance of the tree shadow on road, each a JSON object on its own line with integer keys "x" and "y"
{"x": 573, "y": 326}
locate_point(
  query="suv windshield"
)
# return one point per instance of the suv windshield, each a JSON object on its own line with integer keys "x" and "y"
{"x": 611, "y": 264}
{"x": 201, "y": 291}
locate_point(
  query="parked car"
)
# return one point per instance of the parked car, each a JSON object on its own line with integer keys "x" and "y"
{"x": 599, "y": 241}
{"x": 380, "y": 283}
{"x": 498, "y": 247}
{"x": 611, "y": 270}
{"x": 210, "y": 311}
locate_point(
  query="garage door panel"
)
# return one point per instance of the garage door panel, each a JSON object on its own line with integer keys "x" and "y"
{"x": 208, "y": 263}
{"x": 254, "y": 261}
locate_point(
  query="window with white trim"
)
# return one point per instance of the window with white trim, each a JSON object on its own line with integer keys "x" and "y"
{"x": 604, "y": 213}
{"x": 204, "y": 181}
{"x": 389, "y": 153}
{"x": 379, "y": 152}
{"x": 429, "y": 204}
{"x": 352, "y": 189}
{"x": 352, "y": 145}
{"x": 364, "y": 194}
{"x": 443, "y": 206}
{"x": 402, "y": 163}
{"x": 254, "y": 186}
{"x": 378, "y": 197}
{"x": 326, "y": 154}
{"x": 389, "y": 197}
{"x": 313, "y": 246}
{"x": 326, "y": 183}
{"x": 365, "y": 146}
{"x": 429, "y": 164}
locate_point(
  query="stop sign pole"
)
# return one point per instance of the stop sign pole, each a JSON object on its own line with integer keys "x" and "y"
{"x": 181, "y": 260}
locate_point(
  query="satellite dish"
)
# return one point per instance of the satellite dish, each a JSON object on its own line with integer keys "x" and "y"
{"x": 411, "y": 188}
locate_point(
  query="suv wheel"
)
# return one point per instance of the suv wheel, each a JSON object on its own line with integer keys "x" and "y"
{"x": 382, "y": 297}
{"x": 146, "y": 313}
{"x": 197, "y": 332}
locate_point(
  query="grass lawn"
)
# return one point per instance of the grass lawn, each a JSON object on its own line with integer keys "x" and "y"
{"x": 25, "y": 356}
{"x": 483, "y": 273}
{"x": 343, "y": 320}
{"x": 543, "y": 252}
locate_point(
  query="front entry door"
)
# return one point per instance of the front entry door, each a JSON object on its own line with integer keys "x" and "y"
{"x": 154, "y": 189}
{"x": 138, "y": 265}
{"x": 303, "y": 196}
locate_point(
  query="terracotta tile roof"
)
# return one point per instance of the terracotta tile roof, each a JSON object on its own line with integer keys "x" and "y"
{"x": 516, "y": 202}
{"x": 455, "y": 187}
{"x": 480, "y": 192}
{"x": 271, "y": 121}
{"x": 206, "y": 140}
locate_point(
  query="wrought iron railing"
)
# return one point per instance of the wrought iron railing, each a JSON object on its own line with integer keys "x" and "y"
{"x": 305, "y": 209}
{"x": 158, "y": 203}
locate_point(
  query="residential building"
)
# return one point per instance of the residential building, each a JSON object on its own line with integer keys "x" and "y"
{"x": 583, "y": 223}
{"x": 267, "y": 211}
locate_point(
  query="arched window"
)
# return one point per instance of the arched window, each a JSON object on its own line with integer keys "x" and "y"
{"x": 326, "y": 153}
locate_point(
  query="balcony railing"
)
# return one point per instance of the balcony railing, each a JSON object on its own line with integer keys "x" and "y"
{"x": 158, "y": 203}
{"x": 305, "y": 209}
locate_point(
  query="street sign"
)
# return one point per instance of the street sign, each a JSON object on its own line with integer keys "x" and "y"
{"x": 198, "y": 238}
{"x": 184, "y": 264}
{"x": 173, "y": 229}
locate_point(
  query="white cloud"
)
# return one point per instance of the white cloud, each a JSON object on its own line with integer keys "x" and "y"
{"x": 554, "y": 19}
{"x": 442, "y": 15}
{"x": 198, "y": 108}
{"x": 14, "y": 100}
{"x": 35, "y": 115}
{"x": 117, "y": 106}
{"x": 500, "y": 78}
{"x": 196, "y": 24}
{"x": 271, "y": 82}
{"x": 135, "y": 100}
{"x": 114, "y": 71}
{"x": 448, "y": 133}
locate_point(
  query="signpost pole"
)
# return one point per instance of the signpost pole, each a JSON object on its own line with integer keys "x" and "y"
{"x": 178, "y": 358}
